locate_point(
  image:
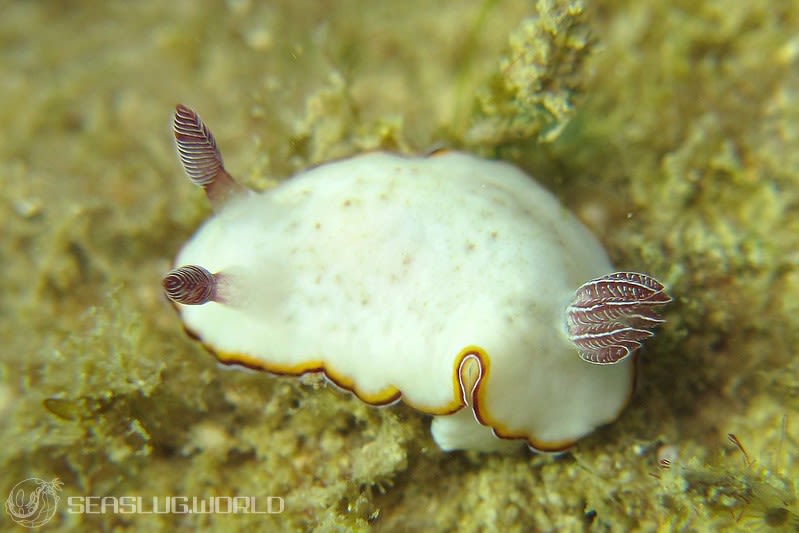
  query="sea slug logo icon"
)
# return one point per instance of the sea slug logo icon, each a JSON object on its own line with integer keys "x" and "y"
{"x": 33, "y": 501}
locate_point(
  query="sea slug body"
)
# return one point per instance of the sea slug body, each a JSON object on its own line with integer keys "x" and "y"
{"x": 454, "y": 283}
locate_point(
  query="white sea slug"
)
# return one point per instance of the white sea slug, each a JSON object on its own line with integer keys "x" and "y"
{"x": 453, "y": 283}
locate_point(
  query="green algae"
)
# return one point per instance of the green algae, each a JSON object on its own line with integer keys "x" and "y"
{"x": 534, "y": 93}
{"x": 670, "y": 128}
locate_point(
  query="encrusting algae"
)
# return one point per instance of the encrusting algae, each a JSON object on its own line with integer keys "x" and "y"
{"x": 671, "y": 129}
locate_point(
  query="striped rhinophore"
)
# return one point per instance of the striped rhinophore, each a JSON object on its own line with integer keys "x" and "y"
{"x": 201, "y": 159}
{"x": 196, "y": 146}
{"x": 190, "y": 285}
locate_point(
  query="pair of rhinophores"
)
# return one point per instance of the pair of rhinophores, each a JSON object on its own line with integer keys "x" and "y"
{"x": 454, "y": 283}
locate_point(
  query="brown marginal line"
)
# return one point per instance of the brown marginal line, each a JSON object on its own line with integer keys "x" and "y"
{"x": 502, "y": 433}
{"x": 498, "y": 431}
{"x": 438, "y": 152}
{"x": 233, "y": 359}
{"x": 477, "y": 352}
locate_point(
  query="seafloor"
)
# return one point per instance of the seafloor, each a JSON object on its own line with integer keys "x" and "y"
{"x": 670, "y": 128}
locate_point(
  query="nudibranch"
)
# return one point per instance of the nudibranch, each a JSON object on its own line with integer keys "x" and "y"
{"x": 453, "y": 283}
